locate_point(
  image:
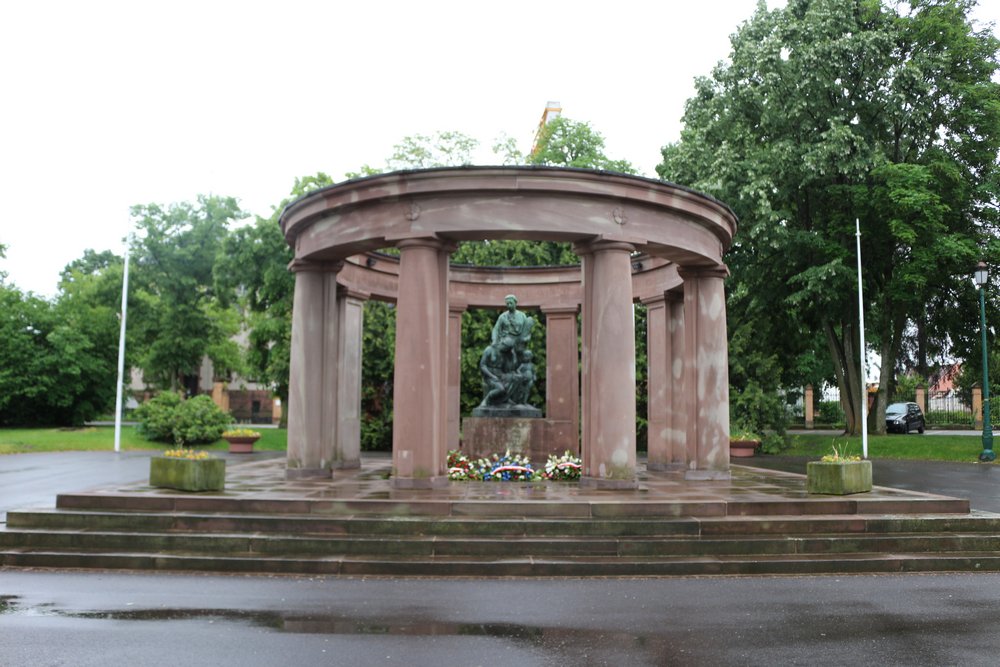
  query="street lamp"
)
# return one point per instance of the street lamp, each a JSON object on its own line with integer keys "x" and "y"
{"x": 987, "y": 454}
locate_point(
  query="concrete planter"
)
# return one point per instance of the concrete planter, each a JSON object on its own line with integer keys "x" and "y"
{"x": 241, "y": 444}
{"x": 839, "y": 478}
{"x": 187, "y": 474}
{"x": 743, "y": 448}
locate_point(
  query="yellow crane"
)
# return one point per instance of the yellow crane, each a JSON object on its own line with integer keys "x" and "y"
{"x": 552, "y": 111}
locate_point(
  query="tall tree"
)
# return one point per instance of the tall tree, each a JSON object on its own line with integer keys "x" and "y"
{"x": 252, "y": 271}
{"x": 175, "y": 252}
{"x": 569, "y": 143}
{"x": 831, "y": 111}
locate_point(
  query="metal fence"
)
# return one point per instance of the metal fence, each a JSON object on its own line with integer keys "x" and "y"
{"x": 940, "y": 410}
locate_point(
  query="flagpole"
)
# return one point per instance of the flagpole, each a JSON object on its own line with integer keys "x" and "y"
{"x": 121, "y": 351}
{"x": 861, "y": 321}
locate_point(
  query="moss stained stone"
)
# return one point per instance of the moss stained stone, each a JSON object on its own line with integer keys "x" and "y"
{"x": 839, "y": 479}
{"x": 187, "y": 474}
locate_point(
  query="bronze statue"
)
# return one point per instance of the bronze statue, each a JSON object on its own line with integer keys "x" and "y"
{"x": 506, "y": 364}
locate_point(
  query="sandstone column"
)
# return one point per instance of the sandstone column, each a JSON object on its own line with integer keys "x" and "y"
{"x": 706, "y": 365}
{"x": 350, "y": 318}
{"x": 562, "y": 380}
{"x": 676, "y": 418}
{"x": 454, "y": 375}
{"x": 312, "y": 373}
{"x": 657, "y": 383}
{"x": 420, "y": 389}
{"x": 608, "y": 444}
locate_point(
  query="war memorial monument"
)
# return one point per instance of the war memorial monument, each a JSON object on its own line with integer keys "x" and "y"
{"x": 639, "y": 240}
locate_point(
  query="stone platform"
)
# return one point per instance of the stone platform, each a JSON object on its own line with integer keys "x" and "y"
{"x": 358, "y": 524}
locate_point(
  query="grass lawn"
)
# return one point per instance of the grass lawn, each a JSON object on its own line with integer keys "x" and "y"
{"x": 94, "y": 438}
{"x": 916, "y": 447}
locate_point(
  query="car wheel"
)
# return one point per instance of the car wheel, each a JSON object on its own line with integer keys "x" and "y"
{"x": 922, "y": 427}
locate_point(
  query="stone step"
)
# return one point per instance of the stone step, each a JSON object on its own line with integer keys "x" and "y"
{"x": 496, "y": 547}
{"x": 540, "y": 508}
{"x": 517, "y": 567}
{"x": 462, "y": 526}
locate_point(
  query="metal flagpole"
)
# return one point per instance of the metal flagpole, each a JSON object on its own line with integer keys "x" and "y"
{"x": 861, "y": 320}
{"x": 121, "y": 350}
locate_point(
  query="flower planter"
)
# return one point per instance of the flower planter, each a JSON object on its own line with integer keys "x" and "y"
{"x": 241, "y": 444}
{"x": 743, "y": 448}
{"x": 187, "y": 474}
{"x": 839, "y": 478}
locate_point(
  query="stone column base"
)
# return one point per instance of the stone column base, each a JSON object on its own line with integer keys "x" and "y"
{"x": 665, "y": 467}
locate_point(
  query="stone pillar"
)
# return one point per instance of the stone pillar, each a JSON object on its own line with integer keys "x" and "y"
{"x": 608, "y": 443}
{"x": 220, "y": 395}
{"x": 808, "y": 404}
{"x": 657, "y": 383}
{"x": 676, "y": 412}
{"x": 562, "y": 380}
{"x": 922, "y": 398}
{"x": 420, "y": 389}
{"x": 350, "y": 320}
{"x": 706, "y": 364}
{"x": 312, "y": 370}
{"x": 454, "y": 375}
{"x": 977, "y": 406}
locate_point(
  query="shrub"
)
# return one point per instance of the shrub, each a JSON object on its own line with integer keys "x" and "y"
{"x": 830, "y": 412}
{"x": 156, "y": 417}
{"x": 169, "y": 418}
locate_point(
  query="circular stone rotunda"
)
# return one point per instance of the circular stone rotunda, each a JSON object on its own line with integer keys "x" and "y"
{"x": 639, "y": 240}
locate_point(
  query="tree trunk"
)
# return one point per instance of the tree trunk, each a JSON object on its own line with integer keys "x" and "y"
{"x": 846, "y": 369}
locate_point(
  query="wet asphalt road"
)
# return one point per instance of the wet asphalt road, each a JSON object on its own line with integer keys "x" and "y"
{"x": 102, "y": 619}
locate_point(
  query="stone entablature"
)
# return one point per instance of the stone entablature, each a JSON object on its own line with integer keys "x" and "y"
{"x": 639, "y": 240}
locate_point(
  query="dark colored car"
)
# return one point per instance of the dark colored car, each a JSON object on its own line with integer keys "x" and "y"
{"x": 903, "y": 418}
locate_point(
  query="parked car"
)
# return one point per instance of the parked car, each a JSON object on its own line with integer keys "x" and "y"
{"x": 903, "y": 418}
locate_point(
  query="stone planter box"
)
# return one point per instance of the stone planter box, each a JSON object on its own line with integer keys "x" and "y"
{"x": 187, "y": 474}
{"x": 839, "y": 479}
{"x": 241, "y": 444}
{"x": 743, "y": 448}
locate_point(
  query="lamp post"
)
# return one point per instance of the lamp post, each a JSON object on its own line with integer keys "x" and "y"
{"x": 982, "y": 275}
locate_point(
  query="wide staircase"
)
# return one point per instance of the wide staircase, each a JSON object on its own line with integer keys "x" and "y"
{"x": 596, "y": 535}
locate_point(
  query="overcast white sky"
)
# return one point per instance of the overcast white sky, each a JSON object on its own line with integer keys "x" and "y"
{"x": 108, "y": 104}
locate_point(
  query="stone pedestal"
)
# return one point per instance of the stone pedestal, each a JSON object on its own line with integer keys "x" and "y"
{"x": 535, "y": 438}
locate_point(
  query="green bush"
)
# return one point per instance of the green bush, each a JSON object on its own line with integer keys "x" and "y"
{"x": 169, "y": 418}
{"x": 830, "y": 412}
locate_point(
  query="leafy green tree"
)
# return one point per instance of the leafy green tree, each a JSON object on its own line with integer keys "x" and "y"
{"x": 58, "y": 363}
{"x": 570, "y": 143}
{"x": 831, "y": 111}
{"x": 174, "y": 257}
{"x": 252, "y": 271}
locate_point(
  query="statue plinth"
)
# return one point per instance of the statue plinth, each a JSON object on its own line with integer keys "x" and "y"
{"x": 533, "y": 437}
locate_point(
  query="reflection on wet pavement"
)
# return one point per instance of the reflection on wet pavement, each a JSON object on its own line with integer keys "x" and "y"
{"x": 551, "y": 638}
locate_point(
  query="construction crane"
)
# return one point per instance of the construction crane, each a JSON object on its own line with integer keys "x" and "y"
{"x": 552, "y": 111}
